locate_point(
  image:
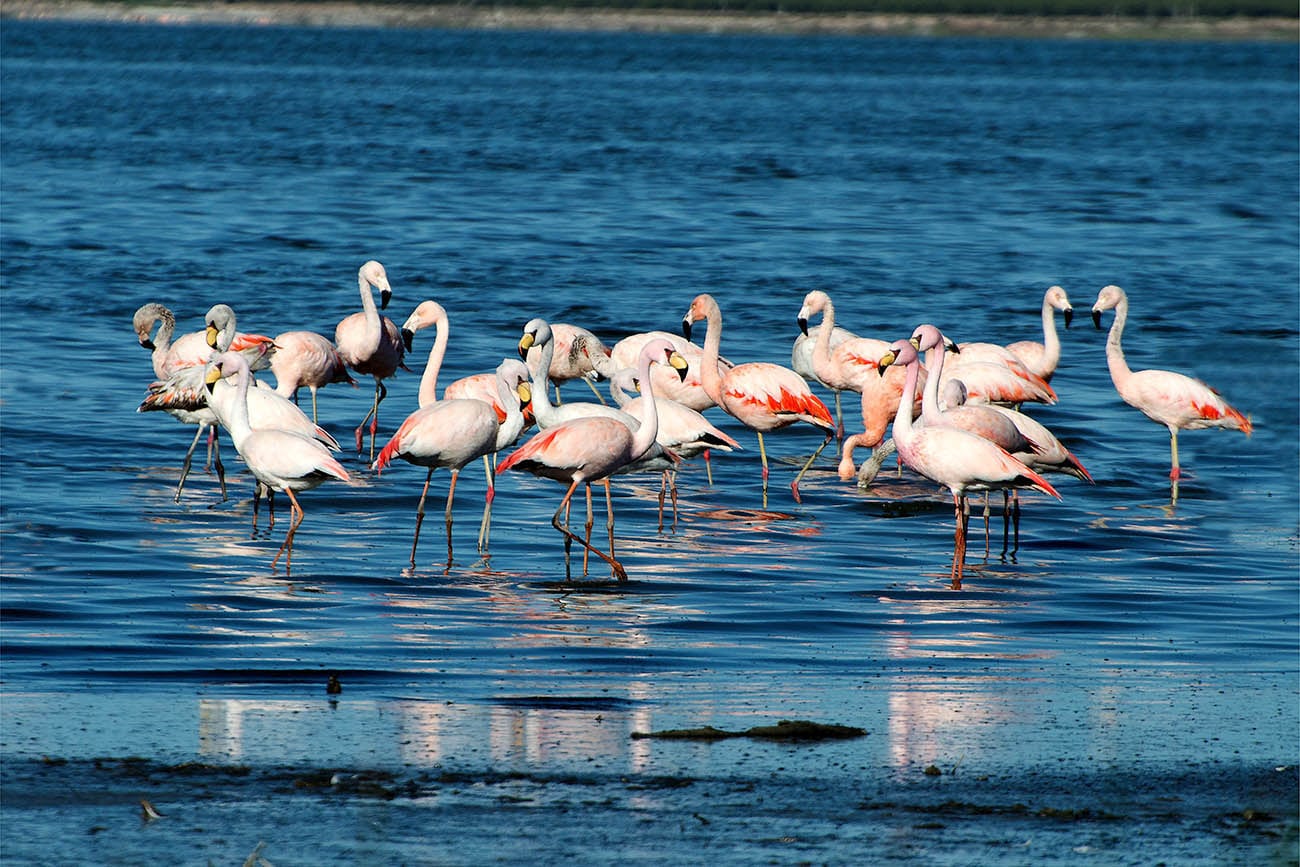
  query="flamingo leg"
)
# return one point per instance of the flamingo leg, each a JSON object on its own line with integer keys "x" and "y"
{"x": 987, "y": 512}
{"x": 568, "y": 540}
{"x": 380, "y": 392}
{"x": 1015, "y": 522}
{"x": 1174, "y": 472}
{"x": 313, "y": 403}
{"x": 839, "y": 425}
{"x": 609, "y": 517}
{"x": 590, "y": 523}
{"x": 451, "y": 493}
{"x": 185, "y": 467}
{"x": 419, "y": 515}
{"x": 485, "y": 528}
{"x": 617, "y": 567}
{"x": 600, "y": 397}
{"x": 216, "y": 459}
{"x": 663, "y": 492}
{"x": 959, "y": 542}
{"x": 286, "y": 547}
{"x": 794, "y": 486}
{"x": 708, "y": 467}
{"x": 672, "y": 488}
{"x": 762, "y": 454}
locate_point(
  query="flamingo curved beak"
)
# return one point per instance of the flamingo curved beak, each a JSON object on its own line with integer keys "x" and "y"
{"x": 1096, "y": 318}
{"x": 147, "y": 344}
{"x": 210, "y": 379}
{"x": 384, "y": 295}
{"x": 803, "y": 325}
{"x": 678, "y": 363}
{"x": 408, "y": 338}
{"x": 211, "y": 335}
{"x": 885, "y": 361}
{"x": 526, "y": 343}
{"x": 1069, "y": 315}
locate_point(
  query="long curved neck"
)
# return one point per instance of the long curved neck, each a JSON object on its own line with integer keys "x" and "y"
{"x": 934, "y": 369}
{"x": 238, "y": 422}
{"x": 374, "y": 328}
{"x": 710, "y": 373}
{"x": 1119, "y": 369}
{"x": 543, "y": 409}
{"x": 903, "y": 432}
{"x": 1051, "y": 341}
{"x": 822, "y": 348}
{"x": 644, "y": 436}
{"x": 429, "y": 379}
{"x": 163, "y": 344}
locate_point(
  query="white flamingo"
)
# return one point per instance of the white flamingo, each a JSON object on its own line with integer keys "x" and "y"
{"x": 370, "y": 343}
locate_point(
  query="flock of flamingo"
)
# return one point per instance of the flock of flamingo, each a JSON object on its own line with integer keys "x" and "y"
{"x": 954, "y": 407}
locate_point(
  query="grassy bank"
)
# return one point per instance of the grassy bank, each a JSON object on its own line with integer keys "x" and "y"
{"x": 889, "y": 17}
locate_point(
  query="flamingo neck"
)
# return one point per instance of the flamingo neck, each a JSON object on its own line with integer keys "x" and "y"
{"x": 903, "y": 431}
{"x": 429, "y": 379}
{"x": 1119, "y": 369}
{"x": 710, "y": 373}
{"x": 374, "y": 329}
{"x": 1051, "y": 342}
{"x": 644, "y": 436}
{"x": 163, "y": 344}
{"x": 238, "y": 423}
{"x": 934, "y": 369}
{"x": 543, "y": 409}
{"x": 822, "y": 348}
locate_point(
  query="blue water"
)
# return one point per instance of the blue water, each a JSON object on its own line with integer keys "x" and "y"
{"x": 605, "y": 180}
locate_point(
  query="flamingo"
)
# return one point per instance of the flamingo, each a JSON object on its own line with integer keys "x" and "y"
{"x": 591, "y": 449}
{"x": 538, "y": 343}
{"x": 957, "y": 459}
{"x": 762, "y": 396}
{"x": 190, "y": 352}
{"x": 370, "y": 343}
{"x": 981, "y": 420}
{"x": 682, "y": 430}
{"x": 1042, "y": 358}
{"x": 851, "y": 365}
{"x": 1176, "y": 401}
{"x": 451, "y": 433}
{"x": 185, "y": 391}
{"x": 572, "y": 356}
{"x": 305, "y": 358}
{"x": 689, "y": 391}
{"x": 277, "y": 459}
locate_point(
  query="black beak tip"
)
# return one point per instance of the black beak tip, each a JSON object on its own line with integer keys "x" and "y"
{"x": 408, "y": 338}
{"x": 1069, "y": 316}
{"x": 686, "y": 328}
{"x": 803, "y": 325}
{"x": 384, "y": 296}
{"x": 1096, "y": 319}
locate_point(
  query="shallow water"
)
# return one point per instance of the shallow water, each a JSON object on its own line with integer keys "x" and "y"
{"x": 1135, "y": 658}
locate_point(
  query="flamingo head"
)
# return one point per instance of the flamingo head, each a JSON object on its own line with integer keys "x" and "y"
{"x": 1060, "y": 301}
{"x": 900, "y": 352}
{"x": 222, "y": 365}
{"x": 143, "y": 322}
{"x": 699, "y": 309}
{"x": 220, "y": 318}
{"x": 373, "y": 274}
{"x": 663, "y": 352}
{"x": 1109, "y": 298}
{"x": 929, "y": 336}
{"x": 536, "y": 333}
{"x": 815, "y": 301}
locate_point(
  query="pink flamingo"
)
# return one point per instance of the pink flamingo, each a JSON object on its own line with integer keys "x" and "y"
{"x": 370, "y": 343}
{"x": 851, "y": 365}
{"x": 305, "y": 358}
{"x": 689, "y": 391}
{"x": 1176, "y": 401}
{"x": 572, "y": 357}
{"x": 591, "y": 449}
{"x": 762, "y": 396}
{"x": 451, "y": 433}
{"x": 1042, "y": 358}
{"x": 276, "y": 458}
{"x": 956, "y": 459}
{"x": 172, "y": 362}
{"x": 682, "y": 431}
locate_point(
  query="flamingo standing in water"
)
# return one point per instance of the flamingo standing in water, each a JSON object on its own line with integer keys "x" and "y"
{"x": 762, "y": 396}
{"x": 277, "y": 459}
{"x": 1176, "y": 401}
{"x": 305, "y": 358}
{"x": 191, "y": 352}
{"x": 370, "y": 343}
{"x": 851, "y": 365}
{"x": 451, "y": 433}
{"x": 956, "y": 459}
{"x": 1042, "y": 358}
{"x": 591, "y": 449}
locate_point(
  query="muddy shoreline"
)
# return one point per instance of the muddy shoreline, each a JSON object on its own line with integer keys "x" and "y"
{"x": 329, "y": 14}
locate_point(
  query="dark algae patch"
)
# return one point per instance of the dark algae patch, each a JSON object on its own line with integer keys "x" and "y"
{"x": 797, "y": 731}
